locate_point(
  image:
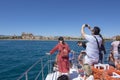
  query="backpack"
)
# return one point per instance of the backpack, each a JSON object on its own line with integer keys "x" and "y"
{"x": 119, "y": 48}
{"x": 102, "y": 48}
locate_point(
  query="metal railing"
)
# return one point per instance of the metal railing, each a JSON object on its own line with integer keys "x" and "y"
{"x": 44, "y": 64}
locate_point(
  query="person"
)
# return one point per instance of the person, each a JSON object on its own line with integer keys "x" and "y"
{"x": 63, "y": 77}
{"x": 111, "y": 60}
{"x": 55, "y": 66}
{"x": 92, "y": 50}
{"x": 82, "y": 53}
{"x": 71, "y": 57}
{"x": 114, "y": 50}
{"x": 82, "y": 43}
{"x": 81, "y": 58}
{"x": 62, "y": 57}
{"x": 88, "y": 74}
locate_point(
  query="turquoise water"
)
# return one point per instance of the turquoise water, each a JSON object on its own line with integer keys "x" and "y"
{"x": 16, "y": 56}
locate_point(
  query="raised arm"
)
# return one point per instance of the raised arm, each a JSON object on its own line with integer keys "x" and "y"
{"x": 83, "y": 31}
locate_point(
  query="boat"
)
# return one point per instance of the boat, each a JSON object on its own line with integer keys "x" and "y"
{"x": 48, "y": 72}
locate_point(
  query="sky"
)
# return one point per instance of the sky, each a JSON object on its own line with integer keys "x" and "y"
{"x": 59, "y": 17}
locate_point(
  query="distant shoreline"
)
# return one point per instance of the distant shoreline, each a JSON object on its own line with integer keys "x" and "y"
{"x": 36, "y": 40}
{"x": 47, "y": 40}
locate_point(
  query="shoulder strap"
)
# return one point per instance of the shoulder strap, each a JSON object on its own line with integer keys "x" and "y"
{"x": 97, "y": 43}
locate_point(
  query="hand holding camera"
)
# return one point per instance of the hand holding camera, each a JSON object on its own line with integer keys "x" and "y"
{"x": 86, "y": 25}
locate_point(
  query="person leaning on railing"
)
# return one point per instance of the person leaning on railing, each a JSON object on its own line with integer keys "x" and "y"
{"x": 63, "y": 56}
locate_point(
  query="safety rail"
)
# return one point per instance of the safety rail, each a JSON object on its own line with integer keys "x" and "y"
{"x": 47, "y": 63}
{"x": 41, "y": 71}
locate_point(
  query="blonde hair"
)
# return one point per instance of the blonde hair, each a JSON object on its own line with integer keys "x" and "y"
{"x": 87, "y": 69}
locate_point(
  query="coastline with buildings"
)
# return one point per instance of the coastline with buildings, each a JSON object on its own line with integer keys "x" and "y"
{"x": 30, "y": 36}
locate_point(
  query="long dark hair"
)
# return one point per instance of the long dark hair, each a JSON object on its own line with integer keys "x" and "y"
{"x": 61, "y": 39}
{"x": 96, "y": 30}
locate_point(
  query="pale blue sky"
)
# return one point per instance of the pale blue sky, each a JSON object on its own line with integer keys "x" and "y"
{"x": 58, "y": 17}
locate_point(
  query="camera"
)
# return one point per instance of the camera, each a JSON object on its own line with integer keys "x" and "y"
{"x": 86, "y": 25}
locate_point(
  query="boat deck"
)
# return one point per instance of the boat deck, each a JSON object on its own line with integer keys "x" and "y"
{"x": 107, "y": 73}
{"x": 74, "y": 75}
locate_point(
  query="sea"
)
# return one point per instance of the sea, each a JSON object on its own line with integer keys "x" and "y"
{"x": 16, "y": 56}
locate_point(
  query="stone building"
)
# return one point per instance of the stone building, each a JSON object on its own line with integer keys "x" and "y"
{"x": 27, "y": 36}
